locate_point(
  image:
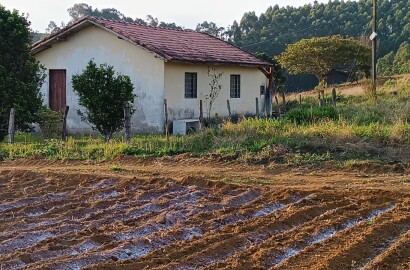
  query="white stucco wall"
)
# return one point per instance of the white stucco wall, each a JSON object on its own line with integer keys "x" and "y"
{"x": 180, "y": 107}
{"x": 145, "y": 70}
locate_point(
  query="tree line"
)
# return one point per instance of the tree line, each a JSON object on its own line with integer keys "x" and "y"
{"x": 81, "y": 10}
{"x": 272, "y": 31}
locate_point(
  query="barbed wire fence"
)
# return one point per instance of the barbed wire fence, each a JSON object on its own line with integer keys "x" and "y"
{"x": 167, "y": 115}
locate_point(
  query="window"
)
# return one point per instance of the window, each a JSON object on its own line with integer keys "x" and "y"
{"x": 190, "y": 85}
{"x": 235, "y": 86}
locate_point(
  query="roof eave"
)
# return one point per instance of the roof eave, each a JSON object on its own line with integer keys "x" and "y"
{"x": 46, "y": 42}
{"x": 220, "y": 63}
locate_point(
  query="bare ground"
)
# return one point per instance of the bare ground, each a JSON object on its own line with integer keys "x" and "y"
{"x": 189, "y": 213}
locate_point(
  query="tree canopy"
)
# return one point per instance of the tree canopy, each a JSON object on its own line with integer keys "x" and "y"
{"x": 398, "y": 63}
{"x": 318, "y": 56}
{"x": 211, "y": 28}
{"x": 81, "y": 10}
{"x": 271, "y": 31}
{"x": 21, "y": 75}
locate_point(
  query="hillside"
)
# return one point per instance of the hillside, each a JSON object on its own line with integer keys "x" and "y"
{"x": 278, "y": 26}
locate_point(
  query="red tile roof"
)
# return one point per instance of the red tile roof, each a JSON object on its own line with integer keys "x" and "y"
{"x": 170, "y": 44}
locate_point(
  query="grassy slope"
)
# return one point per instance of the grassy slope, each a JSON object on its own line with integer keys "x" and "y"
{"x": 358, "y": 130}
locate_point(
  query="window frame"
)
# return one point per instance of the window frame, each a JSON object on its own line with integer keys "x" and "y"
{"x": 235, "y": 86}
{"x": 191, "y": 86}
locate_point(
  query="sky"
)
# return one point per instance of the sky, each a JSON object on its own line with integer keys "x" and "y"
{"x": 182, "y": 12}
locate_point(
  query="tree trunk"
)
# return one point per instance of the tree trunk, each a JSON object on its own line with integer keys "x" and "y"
{"x": 322, "y": 80}
{"x": 108, "y": 137}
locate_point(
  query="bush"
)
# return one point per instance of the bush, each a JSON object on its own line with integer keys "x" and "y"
{"x": 51, "y": 123}
{"x": 370, "y": 89}
{"x": 305, "y": 115}
{"x": 103, "y": 94}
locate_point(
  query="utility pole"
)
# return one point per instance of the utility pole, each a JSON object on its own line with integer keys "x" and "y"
{"x": 373, "y": 38}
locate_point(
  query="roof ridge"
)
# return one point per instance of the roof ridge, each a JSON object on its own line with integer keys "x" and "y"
{"x": 143, "y": 25}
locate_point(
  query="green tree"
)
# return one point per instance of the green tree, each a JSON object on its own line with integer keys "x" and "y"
{"x": 21, "y": 76}
{"x": 385, "y": 65}
{"x": 103, "y": 94}
{"x": 401, "y": 60}
{"x": 81, "y": 10}
{"x": 271, "y": 31}
{"x": 211, "y": 28}
{"x": 398, "y": 63}
{"x": 318, "y": 56}
{"x": 152, "y": 21}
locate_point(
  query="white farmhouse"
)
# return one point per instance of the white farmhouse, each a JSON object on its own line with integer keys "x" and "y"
{"x": 162, "y": 63}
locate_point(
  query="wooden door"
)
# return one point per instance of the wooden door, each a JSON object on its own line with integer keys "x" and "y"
{"x": 57, "y": 89}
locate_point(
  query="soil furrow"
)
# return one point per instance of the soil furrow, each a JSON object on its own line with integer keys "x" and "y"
{"x": 396, "y": 256}
{"x": 330, "y": 248}
{"x": 325, "y": 234}
{"x": 59, "y": 218}
{"x": 189, "y": 198}
{"x": 253, "y": 230}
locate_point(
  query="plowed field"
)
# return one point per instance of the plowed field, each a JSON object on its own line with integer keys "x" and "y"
{"x": 84, "y": 216}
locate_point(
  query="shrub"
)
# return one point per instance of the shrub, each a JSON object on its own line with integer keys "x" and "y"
{"x": 305, "y": 115}
{"x": 51, "y": 123}
{"x": 103, "y": 94}
{"x": 369, "y": 89}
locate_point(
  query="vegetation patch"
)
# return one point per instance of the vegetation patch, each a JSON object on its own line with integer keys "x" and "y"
{"x": 358, "y": 129}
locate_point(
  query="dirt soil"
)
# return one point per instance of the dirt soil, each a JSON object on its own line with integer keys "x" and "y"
{"x": 189, "y": 213}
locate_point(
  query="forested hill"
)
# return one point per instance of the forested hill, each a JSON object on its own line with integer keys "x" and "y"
{"x": 272, "y": 30}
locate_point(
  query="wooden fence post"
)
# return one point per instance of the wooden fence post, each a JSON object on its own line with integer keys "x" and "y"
{"x": 64, "y": 131}
{"x": 323, "y": 97}
{"x": 11, "y": 125}
{"x": 166, "y": 119}
{"x": 300, "y": 101}
{"x": 320, "y": 100}
{"x": 278, "y": 106}
{"x": 127, "y": 122}
{"x": 283, "y": 101}
{"x": 201, "y": 113}
{"x": 334, "y": 97}
{"x": 229, "y": 108}
{"x": 257, "y": 107}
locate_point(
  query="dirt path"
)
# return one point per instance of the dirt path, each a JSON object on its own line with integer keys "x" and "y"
{"x": 187, "y": 213}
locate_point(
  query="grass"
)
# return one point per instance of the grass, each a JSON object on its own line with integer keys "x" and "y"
{"x": 116, "y": 168}
{"x": 358, "y": 129}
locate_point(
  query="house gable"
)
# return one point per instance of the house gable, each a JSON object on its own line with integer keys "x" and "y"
{"x": 145, "y": 70}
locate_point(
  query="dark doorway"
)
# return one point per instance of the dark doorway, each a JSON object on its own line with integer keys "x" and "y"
{"x": 57, "y": 92}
